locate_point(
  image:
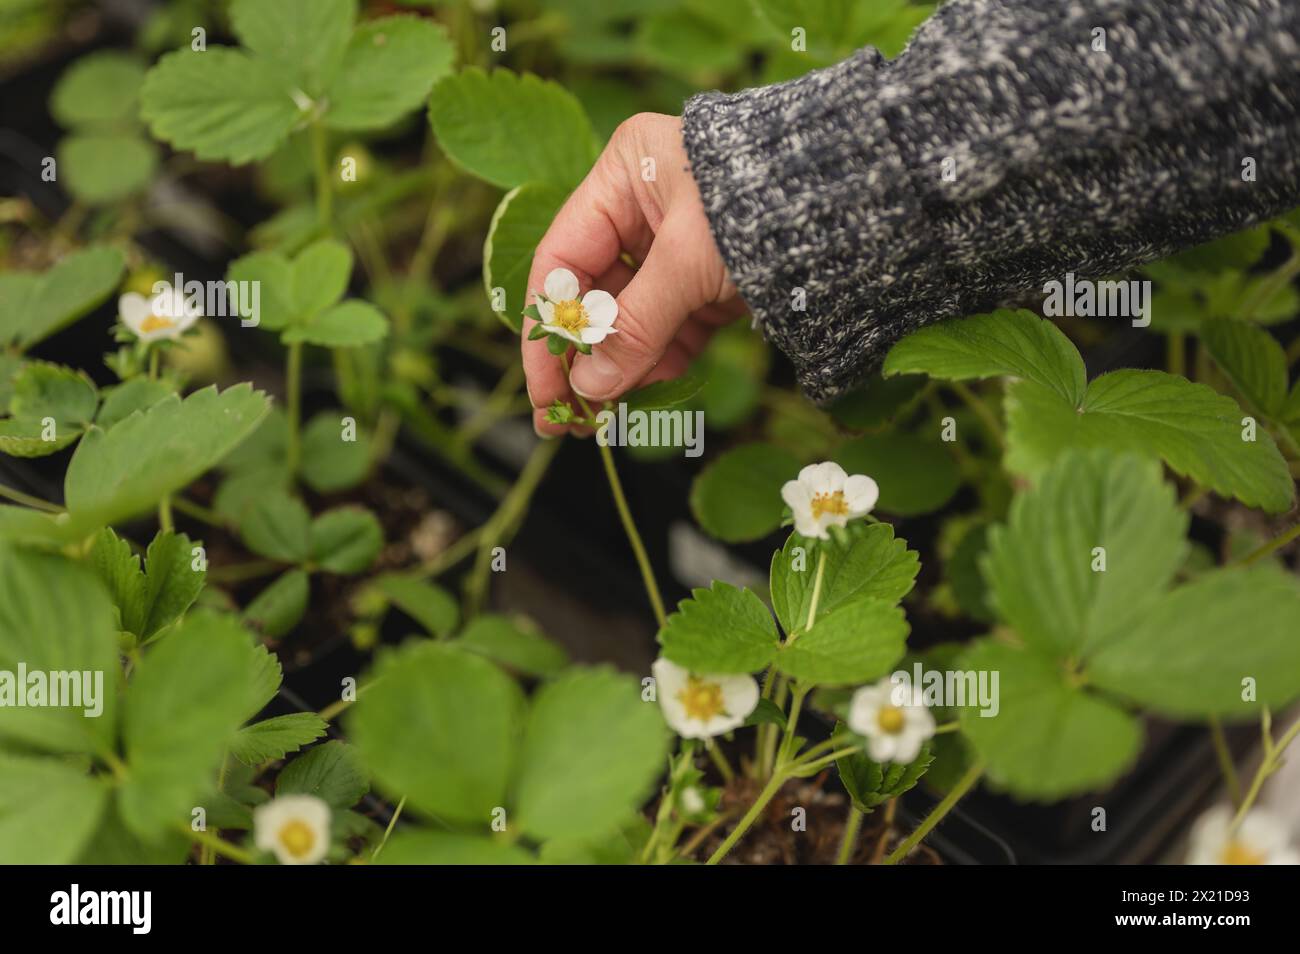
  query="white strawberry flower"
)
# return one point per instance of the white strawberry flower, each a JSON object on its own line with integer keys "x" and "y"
{"x": 587, "y": 321}
{"x": 893, "y": 719}
{"x": 702, "y": 706}
{"x": 1261, "y": 839}
{"x": 295, "y": 827}
{"x": 823, "y": 496}
{"x": 166, "y": 315}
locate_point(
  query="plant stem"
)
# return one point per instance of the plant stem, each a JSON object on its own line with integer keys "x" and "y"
{"x": 816, "y": 594}
{"x": 462, "y": 547}
{"x": 1277, "y": 543}
{"x": 392, "y": 822}
{"x": 1225, "y": 760}
{"x": 982, "y": 411}
{"x": 852, "y": 825}
{"x": 1271, "y": 762}
{"x": 720, "y": 762}
{"x": 27, "y": 500}
{"x": 755, "y": 810}
{"x": 1176, "y": 354}
{"x": 891, "y": 809}
{"x": 1271, "y": 285}
{"x": 324, "y": 188}
{"x": 293, "y": 400}
{"x": 219, "y": 845}
{"x": 165, "y": 514}
{"x": 506, "y": 519}
{"x": 797, "y": 695}
{"x": 958, "y": 791}
{"x": 625, "y": 515}
{"x": 198, "y": 512}
{"x": 239, "y": 572}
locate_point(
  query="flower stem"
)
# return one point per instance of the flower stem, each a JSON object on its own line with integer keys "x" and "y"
{"x": 165, "y": 514}
{"x": 218, "y": 845}
{"x": 392, "y": 823}
{"x": 958, "y": 791}
{"x": 27, "y": 500}
{"x": 293, "y": 400}
{"x": 625, "y": 515}
{"x": 852, "y": 826}
{"x": 324, "y": 188}
{"x": 720, "y": 762}
{"x": 755, "y": 810}
{"x": 816, "y": 593}
{"x": 982, "y": 411}
{"x": 1225, "y": 760}
{"x": 1271, "y": 762}
{"x": 1277, "y": 543}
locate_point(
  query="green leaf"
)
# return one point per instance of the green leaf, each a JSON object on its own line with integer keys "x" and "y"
{"x": 43, "y": 390}
{"x": 915, "y": 475}
{"x": 518, "y": 225}
{"x": 1041, "y": 565}
{"x": 738, "y": 496}
{"x": 33, "y": 307}
{"x": 137, "y": 394}
{"x": 320, "y": 275}
{"x": 517, "y": 644}
{"x": 56, "y": 617}
{"x": 766, "y": 712}
{"x": 307, "y": 36}
{"x": 870, "y": 562}
{"x": 1191, "y": 654}
{"x": 871, "y": 784}
{"x": 438, "y": 726}
{"x": 187, "y": 698}
{"x": 877, "y": 402}
{"x": 48, "y": 810}
{"x": 834, "y": 28}
{"x": 103, "y": 168}
{"x": 589, "y": 725}
{"x": 1252, "y": 359}
{"x": 388, "y": 70}
{"x": 1197, "y": 432}
{"x": 220, "y": 104}
{"x": 275, "y": 276}
{"x": 99, "y": 90}
{"x": 278, "y": 527}
{"x": 332, "y": 771}
{"x": 346, "y": 540}
{"x": 446, "y": 848}
{"x": 1049, "y": 739}
{"x": 1002, "y": 343}
{"x": 428, "y": 604}
{"x": 720, "y": 630}
{"x": 119, "y": 473}
{"x": 171, "y": 583}
{"x": 276, "y": 737}
{"x": 664, "y": 394}
{"x": 329, "y": 462}
{"x": 119, "y": 570}
{"x": 346, "y": 325}
{"x": 279, "y": 607}
{"x": 969, "y": 587}
{"x": 511, "y": 129}
{"x": 855, "y": 643}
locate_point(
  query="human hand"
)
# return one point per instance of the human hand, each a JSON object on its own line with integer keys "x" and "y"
{"x": 670, "y": 306}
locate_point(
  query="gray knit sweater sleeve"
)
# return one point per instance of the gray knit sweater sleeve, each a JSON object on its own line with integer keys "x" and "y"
{"x": 828, "y": 198}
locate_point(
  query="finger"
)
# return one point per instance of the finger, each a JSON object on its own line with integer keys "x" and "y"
{"x": 597, "y": 222}
{"x": 651, "y": 309}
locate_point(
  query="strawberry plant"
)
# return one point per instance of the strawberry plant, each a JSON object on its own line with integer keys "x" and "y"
{"x": 288, "y": 277}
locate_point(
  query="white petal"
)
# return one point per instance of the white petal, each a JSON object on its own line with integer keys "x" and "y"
{"x": 271, "y": 817}
{"x": 547, "y": 310}
{"x": 561, "y": 285}
{"x": 861, "y": 494}
{"x": 881, "y": 748}
{"x": 906, "y": 748}
{"x": 739, "y": 694}
{"x": 796, "y": 495}
{"x": 595, "y": 335}
{"x": 133, "y": 308}
{"x": 806, "y": 526}
{"x": 601, "y": 308}
{"x": 824, "y": 478}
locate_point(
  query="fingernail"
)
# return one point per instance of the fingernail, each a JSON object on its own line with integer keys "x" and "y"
{"x": 537, "y": 429}
{"x": 596, "y": 376}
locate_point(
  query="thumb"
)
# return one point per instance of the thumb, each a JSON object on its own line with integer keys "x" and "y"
{"x": 651, "y": 308}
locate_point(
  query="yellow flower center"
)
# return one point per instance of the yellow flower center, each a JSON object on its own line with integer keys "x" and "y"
{"x": 701, "y": 700}
{"x": 156, "y": 323}
{"x": 297, "y": 838}
{"x": 1237, "y": 853}
{"x": 570, "y": 315}
{"x": 890, "y": 719}
{"x": 832, "y": 503}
